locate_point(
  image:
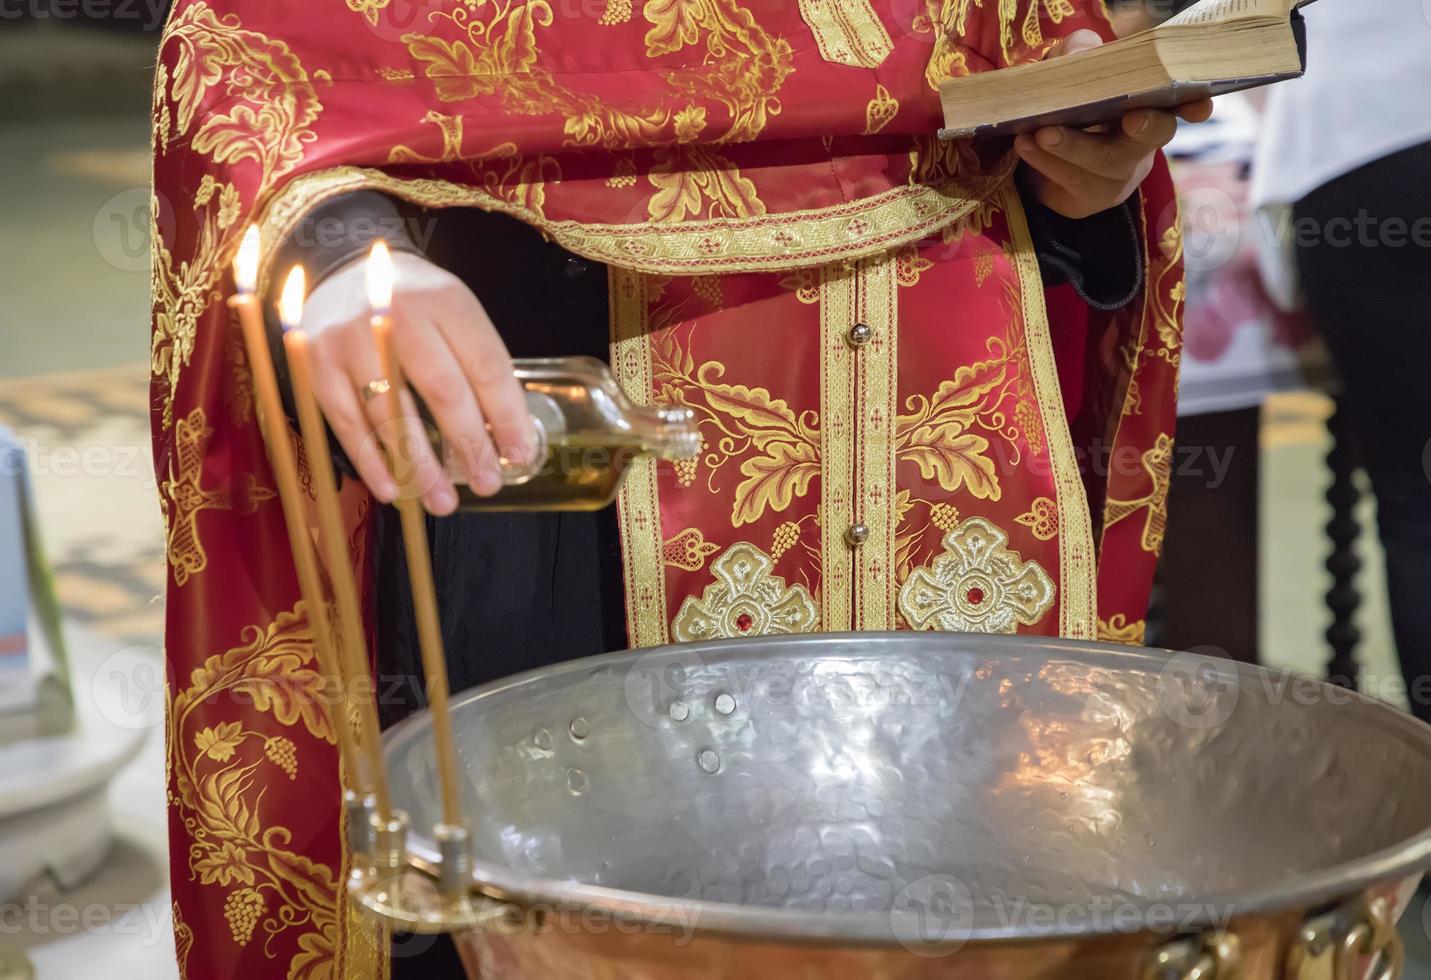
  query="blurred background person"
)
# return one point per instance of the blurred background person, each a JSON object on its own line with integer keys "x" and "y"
{"x": 1343, "y": 164}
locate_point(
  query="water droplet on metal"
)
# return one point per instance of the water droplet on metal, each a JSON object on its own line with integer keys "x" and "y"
{"x": 708, "y": 760}
{"x": 679, "y": 711}
{"x": 576, "y": 781}
{"x": 579, "y": 728}
{"x": 724, "y": 703}
{"x": 543, "y": 739}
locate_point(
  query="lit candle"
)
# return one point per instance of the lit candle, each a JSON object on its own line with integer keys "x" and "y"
{"x": 414, "y": 531}
{"x": 273, "y": 424}
{"x": 352, "y": 648}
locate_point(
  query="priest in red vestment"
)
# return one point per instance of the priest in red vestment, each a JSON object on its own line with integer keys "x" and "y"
{"x": 934, "y": 381}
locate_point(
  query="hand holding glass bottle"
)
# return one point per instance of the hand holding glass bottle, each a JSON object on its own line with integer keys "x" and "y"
{"x": 454, "y": 361}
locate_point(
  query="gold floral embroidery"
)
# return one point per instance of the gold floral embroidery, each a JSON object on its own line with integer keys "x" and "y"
{"x": 1027, "y": 420}
{"x": 1158, "y": 464}
{"x": 745, "y": 600}
{"x": 239, "y": 395}
{"x": 219, "y": 743}
{"x": 280, "y": 750}
{"x": 623, "y": 174}
{"x": 185, "y": 498}
{"x": 616, "y": 12}
{"x": 881, "y": 110}
{"x": 496, "y": 55}
{"x": 937, "y": 433}
{"x": 221, "y": 803}
{"x": 1058, "y": 10}
{"x": 1117, "y": 629}
{"x": 782, "y": 450}
{"x": 744, "y": 70}
{"x": 976, "y": 222}
{"x": 688, "y": 550}
{"x": 221, "y": 864}
{"x": 944, "y": 515}
{"x": 909, "y": 265}
{"x": 273, "y": 104}
{"x": 1041, "y": 519}
{"x": 689, "y": 123}
{"x": 695, "y": 183}
{"x": 369, "y": 9}
{"x": 848, "y": 32}
{"x": 687, "y": 469}
{"x": 787, "y": 536}
{"x": 1032, "y": 30}
{"x": 183, "y": 940}
{"x": 709, "y": 289}
{"x": 242, "y": 910}
{"x": 805, "y": 283}
{"x": 451, "y": 129}
{"x": 947, "y": 21}
{"x": 983, "y": 267}
{"x": 978, "y": 585}
{"x": 1168, "y": 315}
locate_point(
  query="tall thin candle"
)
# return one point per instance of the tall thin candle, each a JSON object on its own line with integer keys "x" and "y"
{"x": 352, "y": 648}
{"x": 285, "y": 468}
{"x": 414, "y": 532}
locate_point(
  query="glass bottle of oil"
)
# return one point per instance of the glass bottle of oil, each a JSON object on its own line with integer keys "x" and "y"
{"x": 588, "y": 435}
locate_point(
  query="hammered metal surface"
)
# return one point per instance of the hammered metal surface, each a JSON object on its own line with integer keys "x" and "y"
{"x": 824, "y": 776}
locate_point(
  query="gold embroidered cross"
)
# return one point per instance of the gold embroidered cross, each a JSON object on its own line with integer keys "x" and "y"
{"x": 978, "y": 585}
{"x": 745, "y": 600}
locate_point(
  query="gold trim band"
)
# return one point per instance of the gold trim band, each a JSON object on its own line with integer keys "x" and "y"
{"x": 1078, "y": 599}
{"x": 837, "y": 444}
{"x": 877, "y": 399}
{"x": 639, "y": 504}
{"x": 770, "y": 242}
{"x": 848, "y": 32}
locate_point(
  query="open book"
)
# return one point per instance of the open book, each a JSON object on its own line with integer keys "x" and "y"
{"x": 1212, "y": 47}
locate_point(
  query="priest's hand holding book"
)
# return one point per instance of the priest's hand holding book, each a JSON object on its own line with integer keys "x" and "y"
{"x": 1081, "y": 172}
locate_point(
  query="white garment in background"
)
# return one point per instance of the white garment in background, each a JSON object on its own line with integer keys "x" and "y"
{"x": 1366, "y": 95}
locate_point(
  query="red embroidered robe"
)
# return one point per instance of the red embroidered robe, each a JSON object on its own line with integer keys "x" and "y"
{"x": 853, "y": 310}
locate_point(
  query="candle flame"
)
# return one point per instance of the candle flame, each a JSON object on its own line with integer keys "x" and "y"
{"x": 290, "y": 304}
{"x": 246, "y": 262}
{"x": 380, "y": 277}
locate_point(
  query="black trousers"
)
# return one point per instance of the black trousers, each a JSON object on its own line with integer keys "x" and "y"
{"x": 1364, "y": 258}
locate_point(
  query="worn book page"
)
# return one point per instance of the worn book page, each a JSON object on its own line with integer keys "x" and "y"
{"x": 1219, "y": 11}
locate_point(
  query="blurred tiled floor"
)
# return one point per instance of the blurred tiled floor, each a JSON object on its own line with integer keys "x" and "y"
{"x": 86, "y": 437}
